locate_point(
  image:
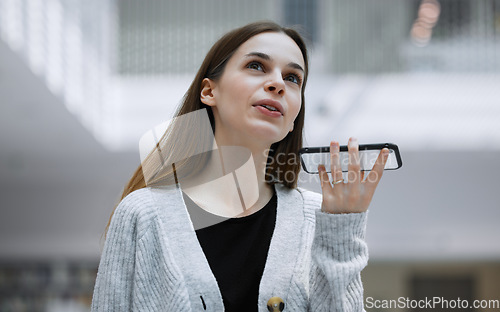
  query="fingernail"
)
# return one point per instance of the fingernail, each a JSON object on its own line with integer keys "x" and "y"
{"x": 321, "y": 168}
{"x": 385, "y": 153}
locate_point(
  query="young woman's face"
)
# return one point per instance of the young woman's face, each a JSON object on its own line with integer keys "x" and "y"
{"x": 258, "y": 96}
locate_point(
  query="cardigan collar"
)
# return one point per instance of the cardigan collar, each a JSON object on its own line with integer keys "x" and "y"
{"x": 201, "y": 283}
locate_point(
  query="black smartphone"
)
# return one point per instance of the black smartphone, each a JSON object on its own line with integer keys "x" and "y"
{"x": 312, "y": 157}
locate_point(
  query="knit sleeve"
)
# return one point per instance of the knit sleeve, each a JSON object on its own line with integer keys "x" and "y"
{"x": 339, "y": 253}
{"x": 114, "y": 285}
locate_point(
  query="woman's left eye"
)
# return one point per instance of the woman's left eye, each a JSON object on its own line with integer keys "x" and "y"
{"x": 255, "y": 66}
{"x": 293, "y": 78}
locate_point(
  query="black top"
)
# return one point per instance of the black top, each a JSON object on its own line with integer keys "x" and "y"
{"x": 236, "y": 250}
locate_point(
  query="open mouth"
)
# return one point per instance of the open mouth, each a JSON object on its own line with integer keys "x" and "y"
{"x": 271, "y": 108}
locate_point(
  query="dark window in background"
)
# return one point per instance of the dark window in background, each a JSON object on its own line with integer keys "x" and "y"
{"x": 449, "y": 288}
{"x": 454, "y": 18}
{"x": 496, "y": 10}
{"x": 303, "y": 13}
{"x": 465, "y": 18}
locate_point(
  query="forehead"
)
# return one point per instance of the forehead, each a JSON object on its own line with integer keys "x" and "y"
{"x": 278, "y": 46}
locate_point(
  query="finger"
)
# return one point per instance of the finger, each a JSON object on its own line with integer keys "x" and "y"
{"x": 354, "y": 161}
{"x": 323, "y": 177}
{"x": 353, "y": 172}
{"x": 336, "y": 169}
{"x": 378, "y": 169}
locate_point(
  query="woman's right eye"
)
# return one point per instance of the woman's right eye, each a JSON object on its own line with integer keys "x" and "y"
{"x": 255, "y": 66}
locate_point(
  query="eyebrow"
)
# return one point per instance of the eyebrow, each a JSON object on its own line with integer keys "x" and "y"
{"x": 268, "y": 58}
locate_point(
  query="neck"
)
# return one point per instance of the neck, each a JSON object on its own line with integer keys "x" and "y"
{"x": 258, "y": 152}
{"x": 231, "y": 164}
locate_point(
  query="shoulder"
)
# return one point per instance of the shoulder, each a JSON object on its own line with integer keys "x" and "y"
{"x": 136, "y": 210}
{"x": 311, "y": 198}
{"x": 312, "y": 203}
{"x": 140, "y": 202}
{"x": 309, "y": 201}
{"x": 308, "y": 197}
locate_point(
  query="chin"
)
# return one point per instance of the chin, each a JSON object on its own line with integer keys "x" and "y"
{"x": 269, "y": 134}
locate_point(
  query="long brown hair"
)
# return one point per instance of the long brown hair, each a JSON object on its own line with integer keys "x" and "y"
{"x": 285, "y": 172}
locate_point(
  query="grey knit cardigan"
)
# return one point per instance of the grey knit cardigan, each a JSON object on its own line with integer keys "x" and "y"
{"x": 152, "y": 260}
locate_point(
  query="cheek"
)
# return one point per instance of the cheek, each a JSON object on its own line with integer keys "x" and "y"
{"x": 232, "y": 91}
{"x": 294, "y": 113}
{"x": 296, "y": 104}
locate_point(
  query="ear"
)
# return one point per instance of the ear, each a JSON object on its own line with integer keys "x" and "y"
{"x": 291, "y": 129}
{"x": 207, "y": 95}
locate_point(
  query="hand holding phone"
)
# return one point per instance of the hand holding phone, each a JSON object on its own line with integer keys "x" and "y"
{"x": 348, "y": 190}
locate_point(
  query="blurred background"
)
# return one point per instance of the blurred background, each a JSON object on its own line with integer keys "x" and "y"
{"x": 81, "y": 81}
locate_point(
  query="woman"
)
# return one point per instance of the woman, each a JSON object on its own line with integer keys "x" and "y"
{"x": 306, "y": 248}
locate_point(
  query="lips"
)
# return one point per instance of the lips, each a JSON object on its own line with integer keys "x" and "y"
{"x": 271, "y": 105}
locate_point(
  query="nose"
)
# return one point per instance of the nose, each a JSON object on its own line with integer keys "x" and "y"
{"x": 276, "y": 84}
